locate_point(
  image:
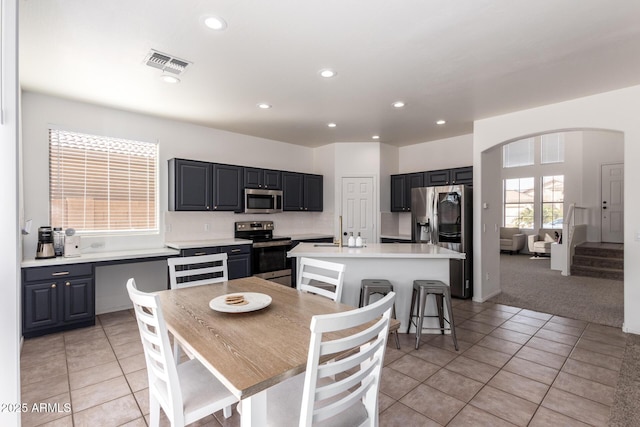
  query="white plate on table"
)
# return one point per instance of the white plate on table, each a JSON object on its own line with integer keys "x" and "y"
{"x": 255, "y": 301}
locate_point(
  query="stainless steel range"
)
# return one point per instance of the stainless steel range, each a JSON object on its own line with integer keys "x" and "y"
{"x": 269, "y": 253}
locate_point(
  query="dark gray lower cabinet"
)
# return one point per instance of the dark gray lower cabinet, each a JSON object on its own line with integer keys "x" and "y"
{"x": 57, "y": 298}
{"x": 238, "y": 258}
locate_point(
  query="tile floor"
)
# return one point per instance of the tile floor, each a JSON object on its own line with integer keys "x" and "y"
{"x": 514, "y": 367}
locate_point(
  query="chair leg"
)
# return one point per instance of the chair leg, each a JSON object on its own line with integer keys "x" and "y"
{"x": 154, "y": 411}
{"x": 421, "y": 307}
{"x": 413, "y": 303}
{"x": 227, "y": 411}
{"x": 397, "y": 339}
{"x": 393, "y": 316}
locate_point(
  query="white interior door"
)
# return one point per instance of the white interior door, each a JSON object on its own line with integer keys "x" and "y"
{"x": 357, "y": 207}
{"x": 612, "y": 205}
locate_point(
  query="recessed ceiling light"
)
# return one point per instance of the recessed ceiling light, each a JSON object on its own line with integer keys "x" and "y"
{"x": 167, "y": 78}
{"x": 264, "y": 106}
{"x": 375, "y": 137}
{"x": 332, "y": 125}
{"x": 215, "y": 23}
{"x": 441, "y": 122}
{"x": 398, "y": 104}
{"x": 328, "y": 73}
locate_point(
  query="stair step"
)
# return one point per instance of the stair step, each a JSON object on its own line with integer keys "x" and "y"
{"x": 596, "y": 261}
{"x": 599, "y": 252}
{"x": 603, "y": 273}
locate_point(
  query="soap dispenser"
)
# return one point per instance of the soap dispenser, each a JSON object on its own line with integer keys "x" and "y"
{"x": 358, "y": 241}
{"x": 351, "y": 242}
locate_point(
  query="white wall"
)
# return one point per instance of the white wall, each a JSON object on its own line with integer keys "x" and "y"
{"x": 615, "y": 110}
{"x": 10, "y": 249}
{"x": 441, "y": 154}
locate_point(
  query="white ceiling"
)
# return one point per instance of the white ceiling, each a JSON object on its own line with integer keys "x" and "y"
{"x": 459, "y": 60}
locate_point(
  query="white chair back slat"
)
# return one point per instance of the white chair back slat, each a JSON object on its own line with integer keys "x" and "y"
{"x": 321, "y": 401}
{"x": 214, "y": 267}
{"x": 312, "y": 273}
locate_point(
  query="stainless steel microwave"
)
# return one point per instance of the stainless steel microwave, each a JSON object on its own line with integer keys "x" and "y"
{"x": 262, "y": 201}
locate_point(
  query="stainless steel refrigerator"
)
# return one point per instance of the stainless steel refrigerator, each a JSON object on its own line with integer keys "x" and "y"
{"x": 442, "y": 216}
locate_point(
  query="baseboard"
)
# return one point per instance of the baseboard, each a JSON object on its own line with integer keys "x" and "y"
{"x": 630, "y": 331}
{"x": 478, "y": 299}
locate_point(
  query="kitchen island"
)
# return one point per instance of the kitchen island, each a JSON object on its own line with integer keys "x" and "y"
{"x": 399, "y": 263}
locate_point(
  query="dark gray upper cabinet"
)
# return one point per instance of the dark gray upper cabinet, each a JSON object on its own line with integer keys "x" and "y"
{"x": 439, "y": 177}
{"x": 227, "y": 188}
{"x": 302, "y": 192}
{"x": 262, "y": 178}
{"x": 401, "y": 186}
{"x": 190, "y": 185}
{"x": 462, "y": 176}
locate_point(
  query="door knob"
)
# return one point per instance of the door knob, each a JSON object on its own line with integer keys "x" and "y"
{"x": 604, "y": 207}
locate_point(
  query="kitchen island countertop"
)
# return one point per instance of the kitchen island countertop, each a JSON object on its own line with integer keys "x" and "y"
{"x": 375, "y": 250}
{"x": 190, "y": 244}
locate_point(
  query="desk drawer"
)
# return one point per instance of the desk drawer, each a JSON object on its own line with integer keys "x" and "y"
{"x": 235, "y": 249}
{"x": 57, "y": 272}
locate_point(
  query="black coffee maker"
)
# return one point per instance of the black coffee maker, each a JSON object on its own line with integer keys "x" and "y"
{"x": 45, "y": 243}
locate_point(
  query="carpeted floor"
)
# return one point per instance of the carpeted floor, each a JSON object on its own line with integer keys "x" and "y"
{"x": 530, "y": 283}
{"x": 625, "y": 410}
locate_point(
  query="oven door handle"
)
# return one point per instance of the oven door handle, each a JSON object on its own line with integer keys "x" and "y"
{"x": 272, "y": 244}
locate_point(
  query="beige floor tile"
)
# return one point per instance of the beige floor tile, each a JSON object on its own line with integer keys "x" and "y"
{"x": 503, "y": 311}
{"x": 580, "y": 324}
{"x": 89, "y": 360}
{"x": 128, "y": 349}
{"x": 526, "y": 388}
{"x": 414, "y": 367}
{"x": 39, "y": 391}
{"x": 121, "y": 328}
{"x": 81, "y": 348}
{"x": 114, "y": 412}
{"x": 563, "y": 329}
{"x": 399, "y": 415}
{"x": 576, "y": 407}
{"x": 139, "y": 422}
{"x": 506, "y": 308}
{"x": 53, "y": 408}
{"x": 597, "y": 359}
{"x": 546, "y": 417}
{"x": 459, "y": 315}
{"x": 138, "y": 380}
{"x": 142, "y": 397}
{"x": 536, "y": 314}
{"x": 591, "y": 372}
{"x": 598, "y": 347}
{"x": 392, "y": 354}
{"x": 531, "y": 370}
{"x": 108, "y": 320}
{"x": 541, "y": 357}
{"x": 482, "y": 328}
{"x": 585, "y": 388}
{"x": 488, "y": 356}
{"x": 133, "y": 363}
{"x": 384, "y": 402}
{"x": 83, "y": 334}
{"x": 99, "y": 393}
{"x": 472, "y": 369}
{"x": 445, "y": 342}
{"x": 131, "y": 337}
{"x": 468, "y": 335}
{"x": 433, "y": 403}
{"x": 520, "y": 327}
{"x": 455, "y": 385}
{"x": 54, "y": 365}
{"x": 520, "y": 318}
{"x": 504, "y": 405}
{"x": 509, "y": 335}
{"x": 52, "y": 343}
{"x": 471, "y": 416}
{"x": 498, "y": 344}
{"x": 488, "y": 319}
{"x": 66, "y": 421}
{"x": 94, "y": 375}
{"x": 550, "y": 335}
{"x": 615, "y": 340}
{"x": 396, "y": 384}
{"x": 474, "y": 306}
{"x": 434, "y": 355}
{"x": 606, "y": 330}
{"x": 550, "y": 346}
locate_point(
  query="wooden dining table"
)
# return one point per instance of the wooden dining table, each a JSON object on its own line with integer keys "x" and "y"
{"x": 250, "y": 351}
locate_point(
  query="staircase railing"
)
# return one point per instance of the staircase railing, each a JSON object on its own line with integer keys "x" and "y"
{"x": 576, "y": 231}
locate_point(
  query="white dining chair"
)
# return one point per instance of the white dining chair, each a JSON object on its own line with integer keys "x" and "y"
{"x": 321, "y": 277}
{"x": 315, "y": 398}
{"x": 186, "y": 392}
{"x": 197, "y": 270}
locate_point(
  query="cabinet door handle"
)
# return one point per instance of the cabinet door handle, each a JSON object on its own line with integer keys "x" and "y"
{"x": 67, "y": 283}
{"x": 60, "y": 273}
{"x": 199, "y": 253}
{"x": 53, "y": 286}
{"x": 236, "y": 250}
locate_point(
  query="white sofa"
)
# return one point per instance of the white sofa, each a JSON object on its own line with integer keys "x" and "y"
{"x": 512, "y": 240}
{"x": 540, "y": 244}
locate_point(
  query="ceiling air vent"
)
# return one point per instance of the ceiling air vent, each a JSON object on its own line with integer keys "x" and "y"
{"x": 166, "y": 63}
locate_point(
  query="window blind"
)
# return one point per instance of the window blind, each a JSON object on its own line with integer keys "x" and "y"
{"x": 100, "y": 184}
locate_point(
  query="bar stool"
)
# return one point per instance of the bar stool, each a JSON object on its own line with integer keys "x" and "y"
{"x": 377, "y": 286}
{"x": 423, "y": 288}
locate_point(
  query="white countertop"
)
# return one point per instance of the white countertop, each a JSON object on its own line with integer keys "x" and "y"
{"x": 100, "y": 257}
{"x": 375, "y": 250}
{"x": 190, "y": 244}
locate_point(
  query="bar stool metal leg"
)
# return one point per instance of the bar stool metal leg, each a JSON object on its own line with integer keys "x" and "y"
{"x": 451, "y": 322}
